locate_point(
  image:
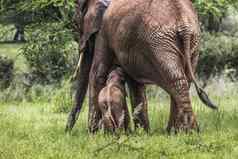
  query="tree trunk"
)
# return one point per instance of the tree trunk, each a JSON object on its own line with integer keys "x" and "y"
{"x": 20, "y": 34}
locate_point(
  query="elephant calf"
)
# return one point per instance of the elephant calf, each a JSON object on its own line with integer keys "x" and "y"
{"x": 112, "y": 102}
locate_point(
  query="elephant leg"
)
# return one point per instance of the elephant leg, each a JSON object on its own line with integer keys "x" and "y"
{"x": 175, "y": 82}
{"x": 181, "y": 114}
{"x": 127, "y": 120}
{"x": 102, "y": 62}
{"x": 139, "y": 105}
{"x": 82, "y": 86}
{"x": 171, "y": 115}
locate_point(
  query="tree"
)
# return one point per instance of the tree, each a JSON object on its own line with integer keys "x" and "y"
{"x": 23, "y": 13}
{"x": 212, "y": 12}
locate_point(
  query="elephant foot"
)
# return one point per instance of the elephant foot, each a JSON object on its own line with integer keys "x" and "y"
{"x": 71, "y": 120}
{"x": 182, "y": 122}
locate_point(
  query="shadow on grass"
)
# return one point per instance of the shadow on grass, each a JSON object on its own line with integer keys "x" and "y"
{"x": 13, "y": 42}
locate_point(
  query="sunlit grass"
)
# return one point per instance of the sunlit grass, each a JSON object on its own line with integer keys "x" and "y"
{"x": 31, "y": 130}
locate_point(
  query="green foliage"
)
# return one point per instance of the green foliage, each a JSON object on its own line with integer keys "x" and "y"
{"x": 20, "y": 91}
{"x": 12, "y": 51}
{"x": 49, "y": 52}
{"x": 6, "y": 72}
{"x": 219, "y": 53}
{"x": 230, "y": 23}
{"x": 212, "y": 12}
{"x": 27, "y": 86}
{"x": 215, "y": 7}
{"x": 6, "y": 32}
{"x": 26, "y": 12}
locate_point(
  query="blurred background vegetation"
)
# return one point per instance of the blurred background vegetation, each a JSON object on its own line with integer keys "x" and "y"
{"x": 38, "y": 52}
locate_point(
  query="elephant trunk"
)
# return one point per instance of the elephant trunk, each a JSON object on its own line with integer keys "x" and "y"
{"x": 82, "y": 84}
{"x": 201, "y": 93}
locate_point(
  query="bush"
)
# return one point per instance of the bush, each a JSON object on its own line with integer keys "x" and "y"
{"x": 6, "y": 72}
{"x": 59, "y": 95}
{"x": 230, "y": 22}
{"x": 7, "y": 33}
{"x": 21, "y": 90}
{"x": 219, "y": 53}
{"x": 49, "y": 52}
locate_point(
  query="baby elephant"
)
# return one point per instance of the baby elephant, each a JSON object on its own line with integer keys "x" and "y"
{"x": 112, "y": 102}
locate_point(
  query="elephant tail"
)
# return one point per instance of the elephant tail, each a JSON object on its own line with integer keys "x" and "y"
{"x": 201, "y": 93}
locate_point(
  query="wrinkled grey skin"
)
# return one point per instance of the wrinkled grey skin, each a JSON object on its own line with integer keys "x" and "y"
{"x": 87, "y": 20}
{"x": 155, "y": 42}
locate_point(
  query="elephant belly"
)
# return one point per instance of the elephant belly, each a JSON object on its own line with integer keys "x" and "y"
{"x": 137, "y": 67}
{"x": 135, "y": 43}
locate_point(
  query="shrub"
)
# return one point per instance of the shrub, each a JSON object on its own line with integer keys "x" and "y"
{"x": 49, "y": 52}
{"x": 219, "y": 53}
{"x": 6, "y": 72}
{"x": 230, "y": 22}
{"x": 20, "y": 90}
{"x": 6, "y": 33}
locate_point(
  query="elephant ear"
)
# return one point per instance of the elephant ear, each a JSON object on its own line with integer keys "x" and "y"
{"x": 78, "y": 19}
{"x": 81, "y": 4}
{"x": 92, "y": 21}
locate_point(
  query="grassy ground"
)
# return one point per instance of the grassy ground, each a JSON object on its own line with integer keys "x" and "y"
{"x": 31, "y": 130}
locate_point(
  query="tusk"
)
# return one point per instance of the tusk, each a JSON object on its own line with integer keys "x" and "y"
{"x": 78, "y": 66}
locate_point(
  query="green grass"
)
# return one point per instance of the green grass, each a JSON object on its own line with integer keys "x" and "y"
{"x": 13, "y": 51}
{"x": 32, "y": 131}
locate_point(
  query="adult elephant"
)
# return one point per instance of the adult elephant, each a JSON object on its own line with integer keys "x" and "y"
{"x": 155, "y": 42}
{"x": 87, "y": 20}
